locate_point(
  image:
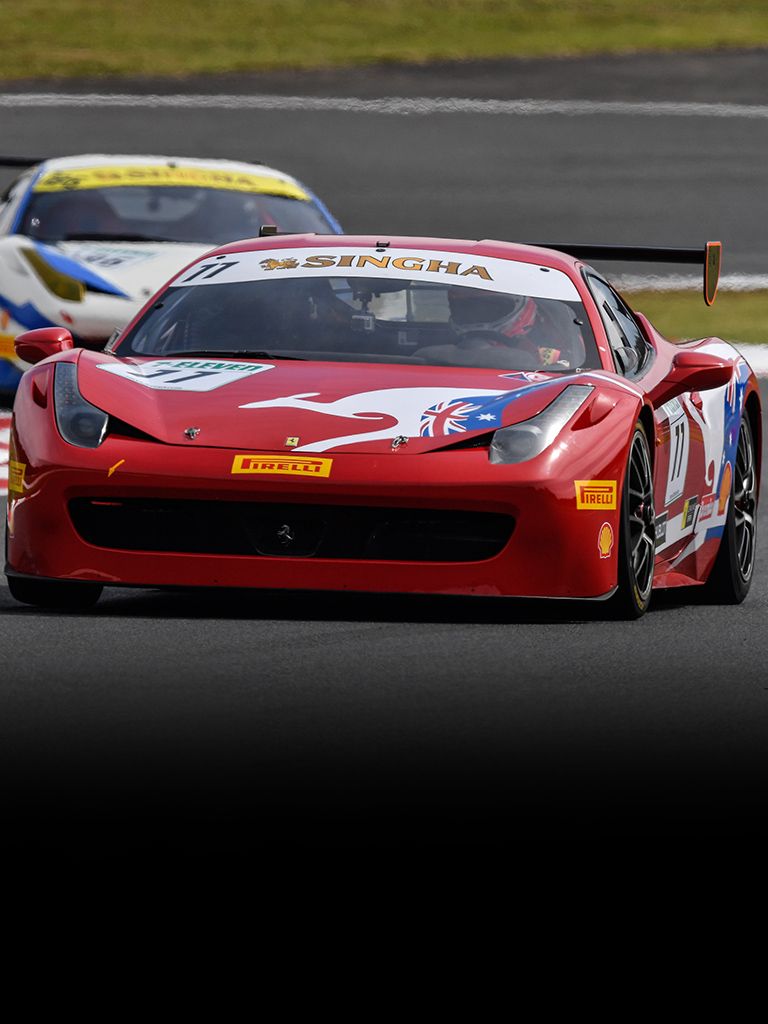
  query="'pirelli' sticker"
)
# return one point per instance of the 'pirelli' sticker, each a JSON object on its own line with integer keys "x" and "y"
{"x": 116, "y": 175}
{"x": 302, "y": 467}
{"x": 595, "y": 494}
{"x": 16, "y": 471}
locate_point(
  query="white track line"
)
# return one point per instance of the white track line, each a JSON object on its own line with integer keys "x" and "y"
{"x": 687, "y": 282}
{"x": 756, "y": 356}
{"x": 404, "y": 106}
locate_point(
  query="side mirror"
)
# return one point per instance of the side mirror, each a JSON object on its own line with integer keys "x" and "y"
{"x": 32, "y": 346}
{"x": 693, "y": 371}
{"x": 700, "y": 371}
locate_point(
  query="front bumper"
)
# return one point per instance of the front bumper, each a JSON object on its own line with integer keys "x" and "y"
{"x": 553, "y": 550}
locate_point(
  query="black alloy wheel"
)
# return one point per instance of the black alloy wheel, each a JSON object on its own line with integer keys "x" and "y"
{"x": 637, "y": 541}
{"x": 731, "y": 575}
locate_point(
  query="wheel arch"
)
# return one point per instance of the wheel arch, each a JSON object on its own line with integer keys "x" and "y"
{"x": 755, "y": 417}
{"x": 646, "y": 418}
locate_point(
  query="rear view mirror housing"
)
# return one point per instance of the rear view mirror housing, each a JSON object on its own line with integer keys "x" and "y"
{"x": 694, "y": 371}
{"x": 701, "y": 371}
{"x": 32, "y": 346}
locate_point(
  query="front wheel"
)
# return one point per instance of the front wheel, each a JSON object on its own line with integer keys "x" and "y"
{"x": 64, "y": 596}
{"x": 731, "y": 575}
{"x": 637, "y": 532}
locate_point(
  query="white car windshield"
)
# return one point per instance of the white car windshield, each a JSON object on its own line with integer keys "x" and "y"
{"x": 165, "y": 213}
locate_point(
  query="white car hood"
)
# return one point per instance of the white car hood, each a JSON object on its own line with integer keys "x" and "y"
{"x": 137, "y": 269}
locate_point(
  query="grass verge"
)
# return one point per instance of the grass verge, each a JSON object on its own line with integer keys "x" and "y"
{"x": 45, "y": 38}
{"x": 735, "y": 316}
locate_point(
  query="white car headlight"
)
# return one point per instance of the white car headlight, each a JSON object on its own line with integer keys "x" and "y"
{"x": 522, "y": 441}
{"x": 62, "y": 285}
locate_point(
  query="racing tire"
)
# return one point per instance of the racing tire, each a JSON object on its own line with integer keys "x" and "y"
{"x": 637, "y": 532}
{"x": 731, "y": 575}
{"x": 63, "y": 596}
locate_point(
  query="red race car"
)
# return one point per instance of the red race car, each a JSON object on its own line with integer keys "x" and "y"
{"x": 411, "y": 415}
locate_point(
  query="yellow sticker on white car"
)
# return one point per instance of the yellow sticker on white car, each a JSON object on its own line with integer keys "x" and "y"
{"x": 116, "y": 175}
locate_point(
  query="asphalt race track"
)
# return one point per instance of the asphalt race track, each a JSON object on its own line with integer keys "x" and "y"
{"x": 244, "y": 723}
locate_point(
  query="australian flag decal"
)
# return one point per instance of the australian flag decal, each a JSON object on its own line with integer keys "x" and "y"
{"x": 458, "y": 415}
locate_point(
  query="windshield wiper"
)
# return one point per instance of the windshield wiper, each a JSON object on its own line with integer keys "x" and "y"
{"x": 249, "y": 352}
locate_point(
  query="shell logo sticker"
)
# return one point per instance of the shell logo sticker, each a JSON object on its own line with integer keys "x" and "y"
{"x": 605, "y": 540}
{"x": 288, "y": 465}
{"x": 595, "y": 494}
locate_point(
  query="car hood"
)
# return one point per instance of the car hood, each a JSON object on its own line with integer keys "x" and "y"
{"x": 131, "y": 270}
{"x": 273, "y": 405}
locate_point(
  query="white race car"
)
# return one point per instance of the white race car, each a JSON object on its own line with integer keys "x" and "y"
{"x": 85, "y": 240}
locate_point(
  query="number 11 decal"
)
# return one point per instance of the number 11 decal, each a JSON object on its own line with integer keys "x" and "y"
{"x": 209, "y": 270}
{"x": 679, "y": 445}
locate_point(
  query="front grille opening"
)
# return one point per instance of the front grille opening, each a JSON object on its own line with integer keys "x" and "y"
{"x": 290, "y": 530}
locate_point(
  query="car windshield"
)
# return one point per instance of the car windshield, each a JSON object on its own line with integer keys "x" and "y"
{"x": 445, "y": 317}
{"x": 165, "y": 213}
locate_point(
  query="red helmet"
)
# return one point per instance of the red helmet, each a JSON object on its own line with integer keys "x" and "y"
{"x": 475, "y": 309}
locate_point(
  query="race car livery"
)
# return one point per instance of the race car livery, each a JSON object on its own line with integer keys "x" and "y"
{"x": 398, "y": 415}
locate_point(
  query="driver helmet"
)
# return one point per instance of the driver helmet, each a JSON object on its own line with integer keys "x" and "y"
{"x": 474, "y": 310}
{"x": 81, "y": 214}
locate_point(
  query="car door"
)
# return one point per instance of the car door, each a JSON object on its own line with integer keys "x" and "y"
{"x": 679, "y": 459}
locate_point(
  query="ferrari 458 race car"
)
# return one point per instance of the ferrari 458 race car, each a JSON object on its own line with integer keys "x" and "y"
{"x": 85, "y": 240}
{"x": 414, "y": 415}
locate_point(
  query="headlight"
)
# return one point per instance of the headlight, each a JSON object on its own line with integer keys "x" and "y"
{"x": 79, "y": 422}
{"x": 522, "y": 441}
{"x": 55, "y": 281}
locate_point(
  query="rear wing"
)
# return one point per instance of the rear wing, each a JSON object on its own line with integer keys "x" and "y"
{"x": 709, "y": 255}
